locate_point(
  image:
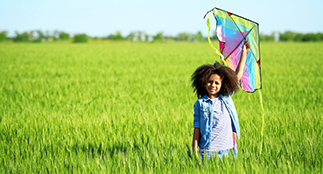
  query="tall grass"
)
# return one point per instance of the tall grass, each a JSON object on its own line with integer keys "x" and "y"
{"x": 111, "y": 108}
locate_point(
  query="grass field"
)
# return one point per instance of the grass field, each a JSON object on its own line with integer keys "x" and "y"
{"x": 128, "y": 108}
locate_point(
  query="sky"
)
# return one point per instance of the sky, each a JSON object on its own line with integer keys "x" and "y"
{"x": 103, "y": 17}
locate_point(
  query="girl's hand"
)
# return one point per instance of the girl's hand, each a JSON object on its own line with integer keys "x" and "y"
{"x": 196, "y": 139}
{"x": 246, "y": 46}
{"x": 196, "y": 154}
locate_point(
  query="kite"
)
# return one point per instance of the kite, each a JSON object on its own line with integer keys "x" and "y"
{"x": 232, "y": 30}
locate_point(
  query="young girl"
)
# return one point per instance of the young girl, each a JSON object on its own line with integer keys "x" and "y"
{"x": 215, "y": 117}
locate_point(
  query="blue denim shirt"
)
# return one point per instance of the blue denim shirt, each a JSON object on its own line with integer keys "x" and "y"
{"x": 203, "y": 110}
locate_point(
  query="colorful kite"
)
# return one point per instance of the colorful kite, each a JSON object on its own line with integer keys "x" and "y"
{"x": 231, "y": 31}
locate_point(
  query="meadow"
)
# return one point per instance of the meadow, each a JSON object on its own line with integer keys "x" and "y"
{"x": 128, "y": 108}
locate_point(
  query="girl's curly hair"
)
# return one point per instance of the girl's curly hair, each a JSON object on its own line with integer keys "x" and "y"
{"x": 202, "y": 74}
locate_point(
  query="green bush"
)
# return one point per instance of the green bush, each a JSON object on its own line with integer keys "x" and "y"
{"x": 64, "y": 36}
{"x": 287, "y": 36}
{"x": 311, "y": 37}
{"x": 3, "y": 36}
{"x": 80, "y": 38}
{"x": 267, "y": 38}
{"x": 159, "y": 37}
{"x": 299, "y": 37}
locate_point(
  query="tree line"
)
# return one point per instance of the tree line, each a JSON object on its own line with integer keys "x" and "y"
{"x": 138, "y": 36}
{"x": 293, "y": 37}
{"x": 141, "y": 36}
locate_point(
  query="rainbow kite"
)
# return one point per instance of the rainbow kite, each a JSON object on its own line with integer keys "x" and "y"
{"x": 231, "y": 31}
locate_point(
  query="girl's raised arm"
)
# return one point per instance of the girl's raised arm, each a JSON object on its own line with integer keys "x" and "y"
{"x": 242, "y": 62}
{"x": 229, "y": 63}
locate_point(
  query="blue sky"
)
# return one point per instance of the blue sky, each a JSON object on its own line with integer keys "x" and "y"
{"x": 103, "y": 17}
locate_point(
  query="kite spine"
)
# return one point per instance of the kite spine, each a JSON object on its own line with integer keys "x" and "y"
{"x": 210, "y": 42}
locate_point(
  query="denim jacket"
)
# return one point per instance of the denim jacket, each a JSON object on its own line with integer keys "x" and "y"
{"x": 203, "y": 110}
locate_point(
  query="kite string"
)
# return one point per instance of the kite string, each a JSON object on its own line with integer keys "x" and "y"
{"x": 263, "y": 121}
{"x": 210, "y": 42}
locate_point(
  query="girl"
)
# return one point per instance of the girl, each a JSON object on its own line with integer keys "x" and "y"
{"x": 215, "y": 117}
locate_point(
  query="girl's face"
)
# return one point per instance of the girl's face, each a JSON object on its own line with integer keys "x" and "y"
{"x": 213, "y": 86}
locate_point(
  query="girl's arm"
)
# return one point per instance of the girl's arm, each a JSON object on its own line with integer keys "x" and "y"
{"x": 196, "y": 139}
{"x": 229, "y": 63}
{"x": 242, "y": 62}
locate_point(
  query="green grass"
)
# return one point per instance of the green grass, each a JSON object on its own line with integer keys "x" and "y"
{"x": 111, "y": 108}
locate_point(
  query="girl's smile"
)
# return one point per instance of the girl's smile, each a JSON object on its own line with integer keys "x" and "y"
{"x": 213, "y": 85}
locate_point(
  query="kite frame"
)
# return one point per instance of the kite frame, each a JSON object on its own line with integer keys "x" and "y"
{"x": 242, "y": 40}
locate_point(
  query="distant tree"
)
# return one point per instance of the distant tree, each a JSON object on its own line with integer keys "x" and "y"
{"x": 287, "y": 36}
{"x": 143, "y": 36}
{"x": 138, "y": 36}
{"x": 40, "y": 34}
{"x": 146, "y": 37}
{"x": 111, "y": 37}
{"x": 184, "y": 36}
{"x": 63, "y": 35}
{"x": 298, "y": 37}
{"x": 23, "y": 37}
{"x": 131, "y": 36}
{"x": 119, "y": 36}
{"x": 264, "y": 37}
{"x": 159, "y": 37}
{"x": 48, "y": 36}
{"x": 311, "y": 37}
{"x": 95, "y": 38}
{"x": 198, "y": 36}
{"x": 169, "y": 38}
{"x": 55, "y": 34}
{"x": 103, "y": 38}
{"x": 269, "y": 37}
{"x": 320, "y": 36}
{"x": 80, "y": 38}
{"x": 3, "y": 36}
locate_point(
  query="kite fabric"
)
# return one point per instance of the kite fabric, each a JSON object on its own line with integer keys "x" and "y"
{"x": 231, "y": 31}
